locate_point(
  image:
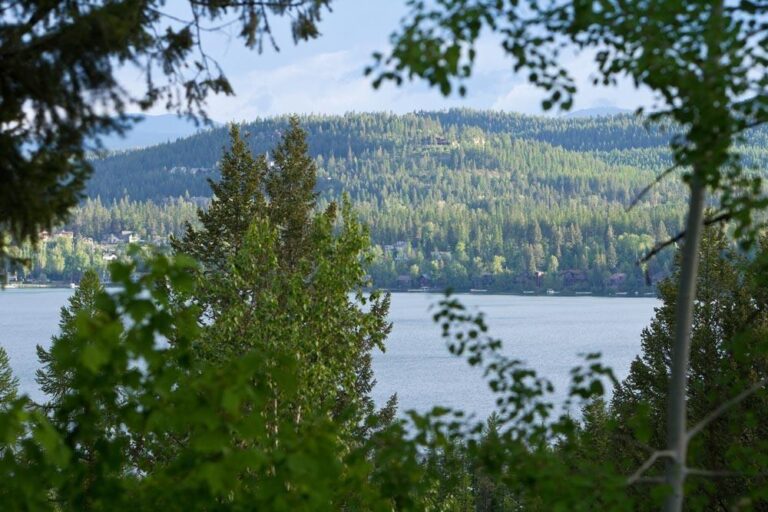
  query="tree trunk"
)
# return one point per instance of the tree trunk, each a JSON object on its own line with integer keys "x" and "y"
{"x": 677, "y": 400}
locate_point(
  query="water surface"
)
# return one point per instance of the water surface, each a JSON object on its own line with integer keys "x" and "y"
{"x": 546, "y": 332}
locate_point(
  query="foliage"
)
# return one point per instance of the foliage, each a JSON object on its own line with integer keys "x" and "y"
{"x": 728, "y": 356}
{"x": 134, "y": 414}
{"x": 704, "y": 61}
{"x": 507, "y": 186}
{"x": 276, "y": 272}
{"x": 698, "y": 57}
{"x": 52, "y": 379}
{"x": 182, "y": 433}
{"x": 179, "y": 431}
{"x": 9, "y": 385}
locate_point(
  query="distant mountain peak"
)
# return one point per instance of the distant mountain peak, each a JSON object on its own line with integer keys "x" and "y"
{"x": 598, "y": 112}
{"x": 151, "y": 130}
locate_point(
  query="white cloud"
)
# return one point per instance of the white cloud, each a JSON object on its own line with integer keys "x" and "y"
{"x": 523, "y": 97}
{"x": 332, "y": 82}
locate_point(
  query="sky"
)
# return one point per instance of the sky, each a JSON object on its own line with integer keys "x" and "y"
{"x": 325, "y": 76}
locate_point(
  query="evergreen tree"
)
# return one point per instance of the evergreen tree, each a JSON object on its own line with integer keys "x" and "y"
{"x": 260, "y": 243}
{"x": 54, "y": 381}
{"x": 9, "y": 385}
{"x": 290, "y": 184}
{"x": 729, "y": 354}
{"x": 237, "y": 200}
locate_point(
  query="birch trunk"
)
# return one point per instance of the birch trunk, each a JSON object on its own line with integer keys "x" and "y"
{"x": 677, "y": 439}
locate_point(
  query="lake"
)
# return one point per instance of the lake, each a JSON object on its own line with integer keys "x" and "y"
{"x": 546, "y": 332}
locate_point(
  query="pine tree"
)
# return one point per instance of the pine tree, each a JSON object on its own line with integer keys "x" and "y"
{"x": 729, "y": 355}
{"x": 269, "y": 259}
{"x": 53, "y": 381}
{"x": 238, "y": 200}
{"x": 290, "y": 183}
{"x": 9, "y": 385}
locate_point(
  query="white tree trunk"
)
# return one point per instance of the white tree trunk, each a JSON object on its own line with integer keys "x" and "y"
{"x": 677, "y": 439}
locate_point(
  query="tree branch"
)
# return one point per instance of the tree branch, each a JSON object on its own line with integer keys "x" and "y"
{"x": 663, "y": 245}
{"x": 666, "y": 172}
{"x": 637, "y": 476}
{"x": 722, "y": 408}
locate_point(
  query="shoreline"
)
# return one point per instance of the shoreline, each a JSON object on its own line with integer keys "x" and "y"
{"x": 437, "y": 291}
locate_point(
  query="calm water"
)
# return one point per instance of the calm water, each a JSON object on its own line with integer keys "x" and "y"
{"x": 546, "y": 332}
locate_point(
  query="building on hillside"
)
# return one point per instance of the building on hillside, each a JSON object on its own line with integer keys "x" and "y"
{"x": 617, "y": 279}
{"x": 573, "y": 276}
{"x": 441, "y": 255}
{"x": 129, "y": 237}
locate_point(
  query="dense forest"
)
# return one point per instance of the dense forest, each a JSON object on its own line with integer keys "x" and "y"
{"x": 458, "y": 199}
{"x": 461, "y": 198}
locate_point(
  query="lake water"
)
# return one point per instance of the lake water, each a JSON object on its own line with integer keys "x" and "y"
{"x": 546, "y": 332}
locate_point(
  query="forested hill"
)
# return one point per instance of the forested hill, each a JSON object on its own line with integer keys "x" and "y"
{"x": 466, "y": 198}
{"x": 471, "y": 136}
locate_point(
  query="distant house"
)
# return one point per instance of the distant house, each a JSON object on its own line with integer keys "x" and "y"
{"x": 109, "y": 257}
{"x": 129, "y": 237}
{"x": 573, "y": 277}
{"x": 486, "y": 280}
{"x": 441, "y": 255}
{"x": 404, "y": 281}
{"x": 617, "y": 279}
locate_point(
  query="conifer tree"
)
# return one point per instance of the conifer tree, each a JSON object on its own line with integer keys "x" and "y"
{"x": 238, "y": 198}
{"x": 290, "y": 184}
{"x": 54, "y": 381}
{"x": 9, "y": 384}
{"x": 260, "y": 239}
{"x": 729, "y": 355}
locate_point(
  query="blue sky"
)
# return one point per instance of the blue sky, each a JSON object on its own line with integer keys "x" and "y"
{"x": 326, "y": 75}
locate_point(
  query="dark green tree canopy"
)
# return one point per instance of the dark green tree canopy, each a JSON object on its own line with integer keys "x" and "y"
{"x": 8, "y": 383}
{"x": 52, "y": 379}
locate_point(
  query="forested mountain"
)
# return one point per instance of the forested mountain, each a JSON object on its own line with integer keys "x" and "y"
{"x": 470, "y": 199}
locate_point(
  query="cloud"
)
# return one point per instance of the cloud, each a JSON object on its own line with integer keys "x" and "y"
{"x": 332, "y": 82}
{"x": 523, "y": 97}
